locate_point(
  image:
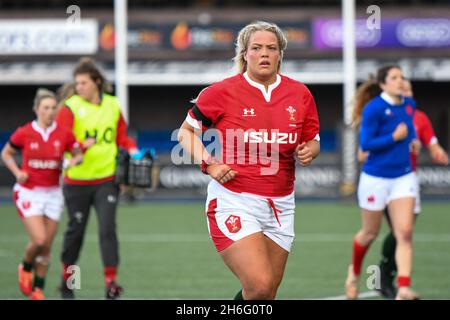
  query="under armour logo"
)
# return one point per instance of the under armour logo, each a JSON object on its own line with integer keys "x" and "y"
{"x": 249, "y": 112}
{"x": 34, "y": 145}
{"x": 111, "y": 198}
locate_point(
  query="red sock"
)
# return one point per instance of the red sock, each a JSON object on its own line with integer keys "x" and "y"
{"x": 358, "y": 255}
{"x": 110, "y": 274}
{"x": 403, "y": 281}
{"x": 65, "y": 274}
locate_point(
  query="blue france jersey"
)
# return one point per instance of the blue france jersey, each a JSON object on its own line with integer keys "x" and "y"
{"x": 387, "y": 158}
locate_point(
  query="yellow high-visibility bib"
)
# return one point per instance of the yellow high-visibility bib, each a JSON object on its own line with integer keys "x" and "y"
{"x": 98, "y": 121}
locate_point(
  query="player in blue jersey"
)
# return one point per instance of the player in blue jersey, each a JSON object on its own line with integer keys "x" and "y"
{"x": 425, "y": 133}
{"x": 387, "y": 133}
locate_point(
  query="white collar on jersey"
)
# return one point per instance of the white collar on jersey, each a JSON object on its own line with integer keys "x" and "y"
{"x": 45, "y": 134}
{"x": 261, "y": 87}
{"x": 389, "y": 100}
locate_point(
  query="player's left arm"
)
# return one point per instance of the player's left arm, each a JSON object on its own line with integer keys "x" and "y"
{"x": 77, "y": 158}
{"x": 415, "y": 144}
{"x": 75, "y": 148}
{"x": 309, "y": 147}
{"x": 307, "y": 151}
{"x": 438, "y": 154}
{"x": 362, "y": 155}
{"x": 122, "y": 139}
{"x": 428, "y": 138}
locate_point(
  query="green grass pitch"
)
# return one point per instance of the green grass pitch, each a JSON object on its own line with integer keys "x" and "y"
{"x": 166, "y": 253}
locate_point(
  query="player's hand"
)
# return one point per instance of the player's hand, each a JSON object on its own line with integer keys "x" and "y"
{"x": 304, "y": 154}
{"x": 89, "y": 142}
{"x": 69, "y": 163}
{"x": 135, "y": 153}
{"x": 439, "y": 156}
{"x": 362, "y": 156}
{"x": 401, "y": 132}
{"x": 22, "y": 176}
{"x": 221, "y": 172}
{"x": 75, "y": 161}
{"x": 415, "y": 146}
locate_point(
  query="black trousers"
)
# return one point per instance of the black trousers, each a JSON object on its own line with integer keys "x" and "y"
{"x": 79, "y": 199}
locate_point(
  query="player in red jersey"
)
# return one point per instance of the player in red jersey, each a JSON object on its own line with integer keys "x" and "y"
{"x": 425, "y": 133}
{"x": 37, "y": 194}
{"x": 264, "y": 121}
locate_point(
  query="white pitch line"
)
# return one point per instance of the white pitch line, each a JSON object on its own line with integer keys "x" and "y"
{"x": 362, "y": 295}
{"x": 4, "y": 253}
{"x": 203, "y": 237}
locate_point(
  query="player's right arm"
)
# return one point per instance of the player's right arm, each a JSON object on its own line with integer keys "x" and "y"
{"x": 8, "y": 154}
{"x": 189, "y": 138}
{"x": 205, "y": 112}
{"x": 368, "y": 132}
{"x": 65, "y": 118}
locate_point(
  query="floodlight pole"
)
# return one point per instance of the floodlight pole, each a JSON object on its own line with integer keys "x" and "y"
{"x": 121, "y": 55}
{"x": 349, "y": 164}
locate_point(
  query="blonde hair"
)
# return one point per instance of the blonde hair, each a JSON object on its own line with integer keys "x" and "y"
{"x": 41, "y": 94}
{"x": 244, "y": 38}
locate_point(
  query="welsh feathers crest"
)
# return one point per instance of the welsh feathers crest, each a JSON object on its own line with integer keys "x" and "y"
{"x": 292, "y": 112}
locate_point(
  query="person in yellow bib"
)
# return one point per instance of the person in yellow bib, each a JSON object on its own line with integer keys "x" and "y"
{"x": 92, "y": 113}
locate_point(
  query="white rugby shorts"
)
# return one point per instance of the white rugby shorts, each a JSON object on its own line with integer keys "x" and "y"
{"x": 233, "y": 216}
{"x": 374, "y": 193}
{"x": 39, "y": 201}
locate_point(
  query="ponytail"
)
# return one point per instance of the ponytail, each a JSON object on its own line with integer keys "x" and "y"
{"x": 369, "y": 90}
{"x": 366, "y": 92}
{"x": 65, "y": 92}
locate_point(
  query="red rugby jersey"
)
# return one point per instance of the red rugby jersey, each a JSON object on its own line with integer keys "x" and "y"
{"x": 424, "y": 131}
{"x": 259, "y": 130}
{"x": 42, "y": 152}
